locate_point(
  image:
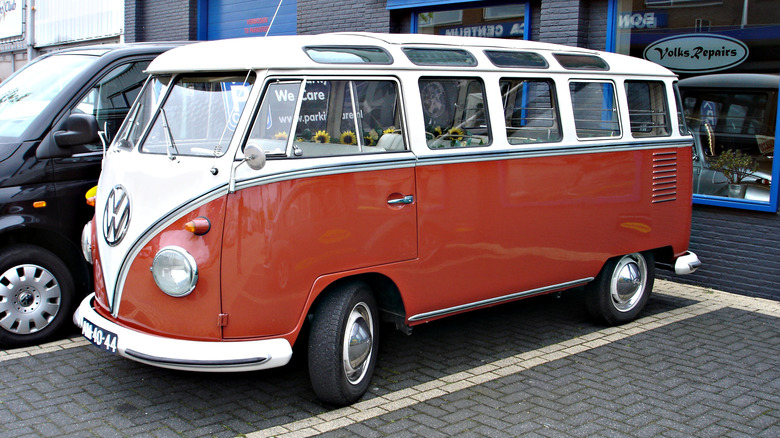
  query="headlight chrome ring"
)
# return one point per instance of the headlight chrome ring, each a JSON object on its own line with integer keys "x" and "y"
{"x": 86, "y": 242}
{"x": 175, "y": 271}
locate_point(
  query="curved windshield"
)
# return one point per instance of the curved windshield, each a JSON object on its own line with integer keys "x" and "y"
{"x": 197, "y": 118}
{"x": 25, "y": 95}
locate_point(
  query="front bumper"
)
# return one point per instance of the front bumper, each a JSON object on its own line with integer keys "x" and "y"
{"x": 179, "y": 354}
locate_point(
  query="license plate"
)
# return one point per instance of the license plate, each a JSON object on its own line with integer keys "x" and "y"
{"x": 102, "y": 338}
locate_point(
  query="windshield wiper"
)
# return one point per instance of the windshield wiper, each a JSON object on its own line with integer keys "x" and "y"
{"x": 170, "y": 144}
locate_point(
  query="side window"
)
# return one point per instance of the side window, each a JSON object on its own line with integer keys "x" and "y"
{"x": 271, "y": 130}
{"x": 455, "y": 112}
{"x": 345, "y": 117}
{"x": 530, "y": 111}
{"x": 647, "y": 108}
{"x": 110, "y": 99}
{"x": 595, "y": 109}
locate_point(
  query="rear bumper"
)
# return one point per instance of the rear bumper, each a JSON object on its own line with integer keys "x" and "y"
{"x": 686, "y": 263}
{"x": 217, "y": 356}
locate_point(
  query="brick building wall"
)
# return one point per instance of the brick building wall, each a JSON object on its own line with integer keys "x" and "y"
{"x": 161, "y": 20}
{"x": 317, "y": 16}
{"x": 739, "y": 249}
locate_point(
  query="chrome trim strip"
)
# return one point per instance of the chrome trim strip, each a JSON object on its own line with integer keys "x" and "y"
{"x": 327, "y": 169}
{"x": 475, "y": 155}
{"x": 498, "y": 300}
{"x": 144, "y": 238}
{"x": 206, "y": 364}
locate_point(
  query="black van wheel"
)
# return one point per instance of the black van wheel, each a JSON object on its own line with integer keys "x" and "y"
{"x": 343, "y": 344}
{"x": 36, "y": 295}
{"x": 622, "y": 288}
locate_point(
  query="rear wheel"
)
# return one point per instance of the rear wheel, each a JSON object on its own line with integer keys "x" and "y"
{"x": 36, "y": 295}
{"x": 622, "y": 288}
{"x": 343, "y": 344}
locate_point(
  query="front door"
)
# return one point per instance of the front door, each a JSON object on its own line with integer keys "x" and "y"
{"x": 337, "y": 194}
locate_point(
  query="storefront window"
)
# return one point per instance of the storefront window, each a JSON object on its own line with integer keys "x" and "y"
{"x": 725, "y": 52}
{"x": 500, "y": 21}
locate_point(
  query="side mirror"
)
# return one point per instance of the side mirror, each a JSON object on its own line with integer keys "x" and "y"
{"x": 78, "y": 129}
{"x": 254, "y": 156}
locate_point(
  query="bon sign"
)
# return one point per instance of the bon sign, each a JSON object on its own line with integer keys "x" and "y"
{"x": 697, "y": 53}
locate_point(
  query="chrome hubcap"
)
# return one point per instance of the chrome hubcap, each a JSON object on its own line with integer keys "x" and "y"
{"x": 628, "y": 282}
{"x": 29, "y": 299}
{"x": 358, "y": 343}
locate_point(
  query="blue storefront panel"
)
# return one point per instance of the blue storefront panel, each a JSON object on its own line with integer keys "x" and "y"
{"x": 220, "y": 19}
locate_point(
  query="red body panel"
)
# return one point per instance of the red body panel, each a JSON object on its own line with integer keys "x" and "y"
{"x": 144, "y": 306}
{"x": 493, "y": 228}
{"x": 282, "y": 236}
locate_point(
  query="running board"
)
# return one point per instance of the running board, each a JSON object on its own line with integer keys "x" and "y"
{"x": 498, "y": 300}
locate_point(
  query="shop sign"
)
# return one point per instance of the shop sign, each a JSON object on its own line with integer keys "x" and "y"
{"x": 495, "y": 30}
{"x": 11, "y": 14}
{"x": 697, "y": 53}
{"x": 642, "y": 20}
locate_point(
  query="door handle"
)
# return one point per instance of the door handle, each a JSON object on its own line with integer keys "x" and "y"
{"x": 408, "y": 199}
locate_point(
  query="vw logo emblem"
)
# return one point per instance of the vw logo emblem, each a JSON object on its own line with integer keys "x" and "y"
{"x": 116, "y": 216}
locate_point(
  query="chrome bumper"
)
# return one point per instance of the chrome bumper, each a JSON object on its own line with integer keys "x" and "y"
{"x": 178, "y": 354}
{"x": 686, "y": 263}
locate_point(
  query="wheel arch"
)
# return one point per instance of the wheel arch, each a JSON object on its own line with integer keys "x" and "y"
{"x": 386, "y": 293}
{"x": 55, "y": 242}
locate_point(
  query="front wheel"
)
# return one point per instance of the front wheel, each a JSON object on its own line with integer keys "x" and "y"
{"x": 622, "y": 288}
{"x": 36, "y": 295}
{"x": 343, "y": 344}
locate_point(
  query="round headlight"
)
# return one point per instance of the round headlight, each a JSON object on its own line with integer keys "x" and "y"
{"x": 175, "y": 271}
{"x": 86, "y": 242}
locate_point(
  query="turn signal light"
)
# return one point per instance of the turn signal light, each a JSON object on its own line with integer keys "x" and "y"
{"x": 90, "y": 195}
{"x": 199, "y": 225}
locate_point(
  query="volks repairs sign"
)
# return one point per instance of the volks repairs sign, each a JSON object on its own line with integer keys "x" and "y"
{"x": 697, "y": 53}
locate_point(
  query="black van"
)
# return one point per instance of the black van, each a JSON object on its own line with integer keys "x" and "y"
{"x": 56, "y": 116}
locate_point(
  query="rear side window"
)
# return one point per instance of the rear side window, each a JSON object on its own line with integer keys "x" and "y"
{"x": 648, "y": 110}
{"x": 530, "y": 110}
{"x": 334, "y": 117}
{"x": 595, "y": 109}
{"x": 455, "y": 112}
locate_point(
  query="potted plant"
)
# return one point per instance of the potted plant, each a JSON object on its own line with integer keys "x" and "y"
{"x": 735, "y": 166}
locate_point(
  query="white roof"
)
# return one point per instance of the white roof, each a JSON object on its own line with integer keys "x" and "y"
{"x": 286, "y": 52}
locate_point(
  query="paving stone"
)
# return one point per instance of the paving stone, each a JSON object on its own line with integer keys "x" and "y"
{"x": 707, "y": 374}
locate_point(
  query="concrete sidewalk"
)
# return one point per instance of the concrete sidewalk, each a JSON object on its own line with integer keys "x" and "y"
{"x": 698, "y": 363}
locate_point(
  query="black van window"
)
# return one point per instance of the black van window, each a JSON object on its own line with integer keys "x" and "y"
{"x": 110, "y": 99}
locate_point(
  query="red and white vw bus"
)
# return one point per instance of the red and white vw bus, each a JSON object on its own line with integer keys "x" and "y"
{"x": 259, "y": 185}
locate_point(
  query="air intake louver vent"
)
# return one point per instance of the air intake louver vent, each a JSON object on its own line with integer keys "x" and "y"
{"x": 664, "y": 176}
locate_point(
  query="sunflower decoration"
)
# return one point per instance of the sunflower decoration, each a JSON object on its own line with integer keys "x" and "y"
{"x": 367, "y": 140}
{"x": 456, "y": 134}
{"x": 281, "y": 135}
{"x": 389, "y": 130}
{"x": 348, "y": 137}
{"x": 438, "y": 131}
{"x": 321, "y": 137}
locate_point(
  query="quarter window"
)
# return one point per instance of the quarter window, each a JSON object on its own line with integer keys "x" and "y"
{"x": 648, "y": 111}
{"x": 595, "y": 109}
{"x": 455, "y": 112}
{"x": 530, "y": 111}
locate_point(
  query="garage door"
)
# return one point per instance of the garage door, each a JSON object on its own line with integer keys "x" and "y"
{"x": 244, "y": 18}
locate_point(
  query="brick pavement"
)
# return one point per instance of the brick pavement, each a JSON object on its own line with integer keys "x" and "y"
{"x": 698, "y": 363}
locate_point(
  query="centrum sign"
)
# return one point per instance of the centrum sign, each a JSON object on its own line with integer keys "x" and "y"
{"x": 697, "y": 53}
{"x": 11, "y": 14}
